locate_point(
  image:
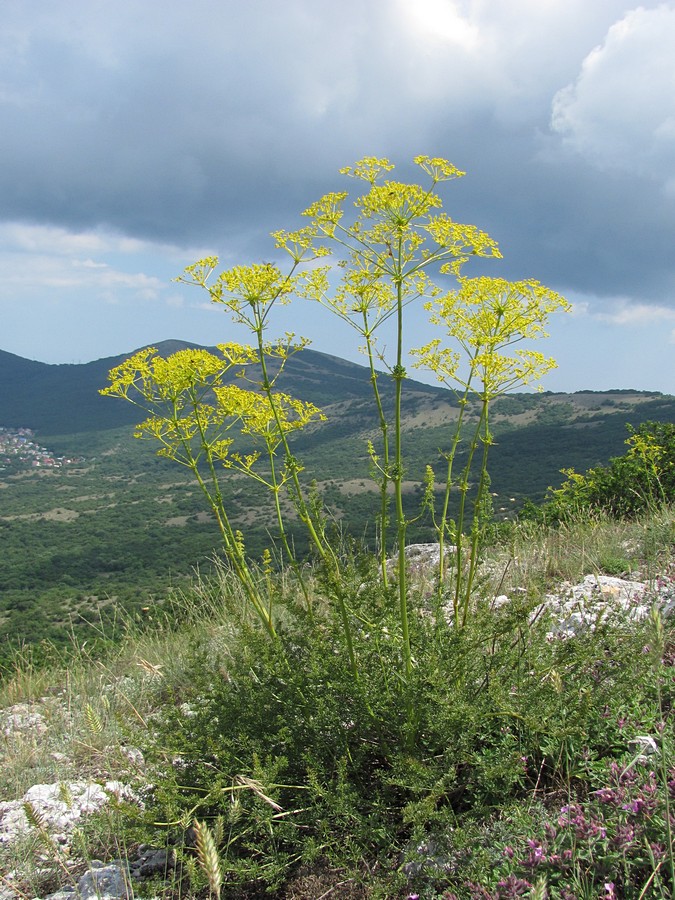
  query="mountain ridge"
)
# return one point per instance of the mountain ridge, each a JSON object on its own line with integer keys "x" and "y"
{"x": 63, "y": 398}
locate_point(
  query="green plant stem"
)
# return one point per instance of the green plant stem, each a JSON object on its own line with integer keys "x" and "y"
{"x": 441, "y": 528}
{"x": 324, "y": 551}
{"x": 230, "y": 542}
{"x": 384, "y": 428}
{"x": 276, "y": 488}
{"x": 477, "y": 507}
{"x": 275, "y": 485}
{"x": 397, "y": 478}
{"x": 215, "y": 501}
{"x": 459, "y": 553}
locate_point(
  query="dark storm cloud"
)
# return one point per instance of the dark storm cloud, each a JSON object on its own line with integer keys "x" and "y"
{"x": 219, "y": 121}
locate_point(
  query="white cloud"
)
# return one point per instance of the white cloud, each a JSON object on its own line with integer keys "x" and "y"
{"x": 506, "y": 57}
{"x": 580, "y": 308}
{"x": 620, "y": 111}
{"x": 441, "y": 20}
{"x": 623, "y": 312}
{"x": 54, "y": 272}
{"x": 90, "y": 264}
{"x": 49, "y": 258}
{"x": 59, "y": 241}
{"x": 48, "y": 239}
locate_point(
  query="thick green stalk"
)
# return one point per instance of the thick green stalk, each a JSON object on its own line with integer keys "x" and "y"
{"x": 397, "y": 478}
{"x": 384, "y": 428}
{"x": 477, "y": 506}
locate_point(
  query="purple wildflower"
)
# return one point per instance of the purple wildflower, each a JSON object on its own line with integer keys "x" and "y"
{"x": 624, "y": 837}
{"x": 536, "y": 856}
{"x": 515, "y": 887}
{"x": 636, "y": 805}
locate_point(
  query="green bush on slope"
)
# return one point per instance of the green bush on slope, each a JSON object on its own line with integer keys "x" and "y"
{"x": 640, "y": 481}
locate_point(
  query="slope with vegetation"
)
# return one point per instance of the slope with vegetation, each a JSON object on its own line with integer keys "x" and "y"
{"x": 525, "y": 765}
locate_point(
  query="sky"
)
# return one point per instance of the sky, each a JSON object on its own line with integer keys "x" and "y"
{"x": 137, "y": 136}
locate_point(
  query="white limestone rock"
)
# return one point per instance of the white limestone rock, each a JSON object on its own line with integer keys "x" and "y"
{"x": 22, "y": 719}
{"x": 60, "y": 806}
{"x": 599, "y": 598}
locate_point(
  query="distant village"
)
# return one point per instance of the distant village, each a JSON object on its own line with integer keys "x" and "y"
{"x": 19, "y": 451}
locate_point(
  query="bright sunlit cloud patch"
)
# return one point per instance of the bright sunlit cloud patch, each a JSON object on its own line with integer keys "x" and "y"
{"x": 441, "y": 20}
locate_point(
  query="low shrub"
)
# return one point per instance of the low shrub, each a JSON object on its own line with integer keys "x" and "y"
{"x": 291, "y": 762}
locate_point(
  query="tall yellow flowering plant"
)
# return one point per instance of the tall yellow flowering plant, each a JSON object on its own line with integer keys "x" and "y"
{"x": 388, "y": 249}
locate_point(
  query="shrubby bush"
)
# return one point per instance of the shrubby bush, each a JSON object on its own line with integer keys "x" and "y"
{"x": 354, "y": 718}
{"x": 642, "y": 480}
